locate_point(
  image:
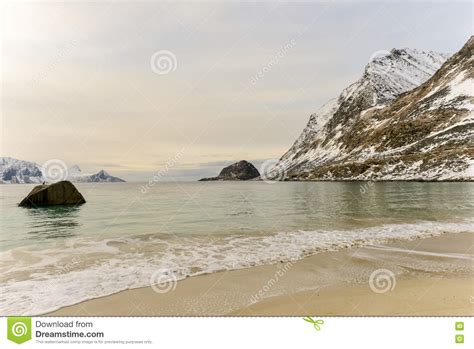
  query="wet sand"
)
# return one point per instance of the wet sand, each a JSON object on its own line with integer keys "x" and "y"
{"x": 431, "y": 276}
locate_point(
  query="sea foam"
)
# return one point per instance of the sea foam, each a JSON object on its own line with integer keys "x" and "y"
{"x": 38, "y": 280}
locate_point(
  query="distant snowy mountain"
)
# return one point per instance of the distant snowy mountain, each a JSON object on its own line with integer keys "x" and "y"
{"x": 14, "y": 171}
{"x": 19, "y": 171}
{"x": 101, "y": 176}
{"x": 386, "y": 126}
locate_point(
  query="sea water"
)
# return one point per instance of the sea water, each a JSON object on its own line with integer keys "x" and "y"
{"x": 131, "y": 235}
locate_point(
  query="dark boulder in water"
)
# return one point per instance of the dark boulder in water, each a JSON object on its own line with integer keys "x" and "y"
{"x": 60, "y": 193}
{"x": 240, "y": 171}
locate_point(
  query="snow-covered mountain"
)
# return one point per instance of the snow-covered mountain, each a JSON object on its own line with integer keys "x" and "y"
{"x": 74, "y": 174}
{"x": 101, "y": 176}
{"x": 19, "y": 171}
{"x": 14, "y": 171}
{"x": 409, "y": 117}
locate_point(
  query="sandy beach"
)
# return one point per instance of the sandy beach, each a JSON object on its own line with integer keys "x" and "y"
{"x": 431, "y": 276}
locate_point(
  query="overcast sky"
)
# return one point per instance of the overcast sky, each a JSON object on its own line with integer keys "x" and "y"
{"x": 88, "y": 83}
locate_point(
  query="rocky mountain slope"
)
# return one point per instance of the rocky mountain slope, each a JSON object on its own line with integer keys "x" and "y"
{"x": 239, "y": 171}
{"x": 410, "y": 117}
{"x": 14, "y": 171}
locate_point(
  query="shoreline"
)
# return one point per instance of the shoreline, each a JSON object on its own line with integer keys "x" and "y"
{"x": 431, "y": 276}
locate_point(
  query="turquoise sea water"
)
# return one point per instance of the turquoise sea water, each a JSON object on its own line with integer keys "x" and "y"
{"x": 126, "y": 233}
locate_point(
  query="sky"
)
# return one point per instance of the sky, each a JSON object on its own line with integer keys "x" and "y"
{"x": 182, "y": 89}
